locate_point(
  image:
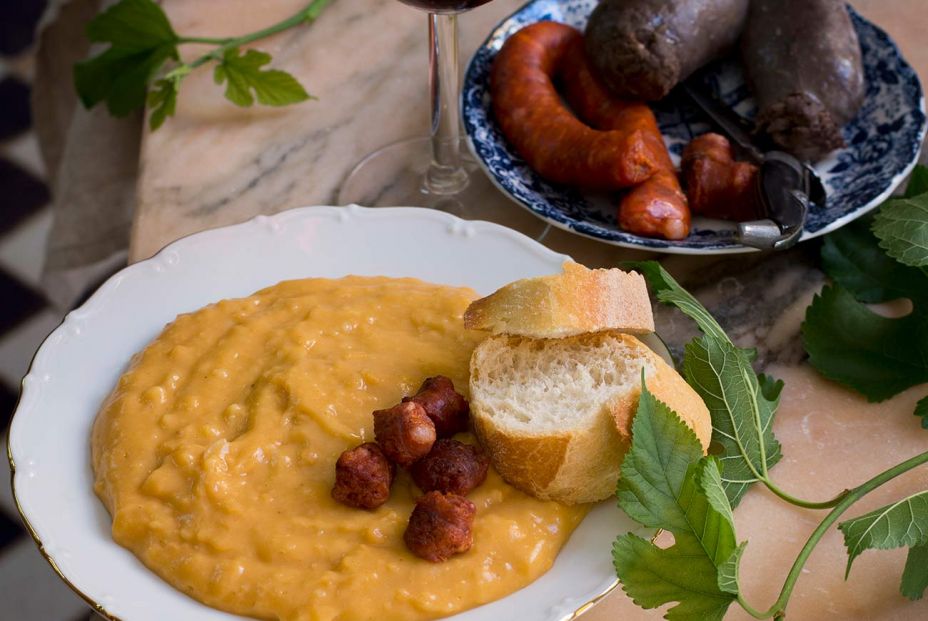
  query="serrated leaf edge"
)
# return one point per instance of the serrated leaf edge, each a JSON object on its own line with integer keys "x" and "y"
{"x": 913, "y": 595}
{"x": 886, "y": 219}
{"x": 728, "y": 571}
{"x": 883, "y": 512}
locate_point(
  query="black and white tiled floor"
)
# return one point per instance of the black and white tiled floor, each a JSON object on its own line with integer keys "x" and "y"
{"x": 29, "y": 589}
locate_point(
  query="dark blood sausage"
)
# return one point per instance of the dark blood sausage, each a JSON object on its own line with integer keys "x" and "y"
{"x": 451, "y": 466}
{"x": 803, "y": 62}
{"x": 717, "y": 185}
{"x": 405, "y": 432}
{"x": 362, "y": 477}
{"x": 447, "y": 408}
{"x": 643, "y": 48}
{"x": 556, "y": 144}
{"x": 440, "y": 526}
{"x": 657, "y": 206}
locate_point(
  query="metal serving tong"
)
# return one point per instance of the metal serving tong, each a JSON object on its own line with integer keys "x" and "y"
{"x": 785, "y": 186}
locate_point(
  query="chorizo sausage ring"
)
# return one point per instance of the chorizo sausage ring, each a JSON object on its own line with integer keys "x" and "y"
{"x": 553, "y": 141}
{"x": 624, "y": 150}
{"x": 656, "y": 207}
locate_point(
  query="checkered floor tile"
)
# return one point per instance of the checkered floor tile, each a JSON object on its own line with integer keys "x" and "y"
{"x": 29, "y": 589}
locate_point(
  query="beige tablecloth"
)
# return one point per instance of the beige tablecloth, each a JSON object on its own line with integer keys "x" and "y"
{"x": 91, "y": 158}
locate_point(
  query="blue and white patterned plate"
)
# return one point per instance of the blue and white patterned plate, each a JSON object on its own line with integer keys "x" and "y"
{"x": 883, "y": 142}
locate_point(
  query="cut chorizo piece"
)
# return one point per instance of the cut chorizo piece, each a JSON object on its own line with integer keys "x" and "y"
{"x": 363, "y": 476}
{"x": 717, "y": 185}
{"x": 643, "y": 48}
{"x": 803, "y": 63}
{"x": 451, "y": 466}
{"x": 554, "y": 142}
{"x": 447, "y": 408}
{"x": 405, "y": 432}
{"x": 441, "y": 525}
{"x": 657, "y": 207}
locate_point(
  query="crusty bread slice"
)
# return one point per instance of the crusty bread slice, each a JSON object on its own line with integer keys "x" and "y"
{"x": 578, "y": 300}
{"x": 555, "y": 414}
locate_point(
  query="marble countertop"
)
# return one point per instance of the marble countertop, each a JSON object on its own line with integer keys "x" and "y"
{"x": 215, "y": 164}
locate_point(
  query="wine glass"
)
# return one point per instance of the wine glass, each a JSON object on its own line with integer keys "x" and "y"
{"x": 436, "y": 170}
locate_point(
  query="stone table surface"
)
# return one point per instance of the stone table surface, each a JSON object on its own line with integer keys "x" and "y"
{"x": 215, "y": 164}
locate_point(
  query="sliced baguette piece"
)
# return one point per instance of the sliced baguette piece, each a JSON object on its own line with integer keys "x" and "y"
{"x": 555, "y": 414}
{"x": 578, "y": 300}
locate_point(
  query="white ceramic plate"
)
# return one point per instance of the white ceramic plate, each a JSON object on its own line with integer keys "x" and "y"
{"x": 79, "y": 364}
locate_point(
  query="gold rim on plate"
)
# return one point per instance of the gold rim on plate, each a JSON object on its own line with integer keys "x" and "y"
{"x": 103, "y": 612}
{"x": 96, "y": 606}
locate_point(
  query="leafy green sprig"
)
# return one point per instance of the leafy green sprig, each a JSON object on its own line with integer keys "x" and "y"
{"x": 142, "y": 63}
{"x": 666, "y": 482}
{"x": 741, "y": 402}
{"x": 875, "y": 259}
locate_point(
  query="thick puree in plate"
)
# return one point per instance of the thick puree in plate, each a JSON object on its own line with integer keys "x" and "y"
{"x": 215, "y": 455}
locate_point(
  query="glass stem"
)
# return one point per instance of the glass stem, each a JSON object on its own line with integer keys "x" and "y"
{"x": 446, "y": 174}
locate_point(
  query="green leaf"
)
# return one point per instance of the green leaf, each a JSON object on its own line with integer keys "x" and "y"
{"x": 652, "y": 576}
{"x": 243, "y": 74}
{"x": 742, "y": 415}
{"x": 915, "y": 574}
{"x": 666, "y": 481}
{"x": 847, "y": 342}
{"x": 921, "y": 409}
{"x": 655, "y": 467}
{"x": 132, "y": 25}
{"x": 162, "y": 101}
{"x": 710, "y": 484}
{"x": 850, "y": 344}
{"x": 741, "y": 404}
{"x": 728, "y": 571}
{"x": 770, "y": 388}
{"x": 118, "y": 78}
{"x": 853, "y": 259}
{"x": 902, "y": 226}
{"x": 141, "y": 40}
{"x": 918, "y": 182}
{"x": 670, "y": 292}
{"x": 901, "y": 524}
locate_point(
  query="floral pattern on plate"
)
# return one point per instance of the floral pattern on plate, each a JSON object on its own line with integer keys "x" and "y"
{"x": 883, "y": 141}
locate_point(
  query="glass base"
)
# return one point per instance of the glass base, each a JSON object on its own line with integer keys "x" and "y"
{"x": 397, "y": 176}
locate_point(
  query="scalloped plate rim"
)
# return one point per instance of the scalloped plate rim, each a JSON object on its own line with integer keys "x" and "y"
{"x": 568, "y": 608}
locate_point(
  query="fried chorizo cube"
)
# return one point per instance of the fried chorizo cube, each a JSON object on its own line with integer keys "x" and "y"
{"x": 451, "y": 466}
{"x": 405, "y": 432}
{"x": 363, "y": 476}
{"x": 441, "y": 525}
{"x": 447, "y": 408}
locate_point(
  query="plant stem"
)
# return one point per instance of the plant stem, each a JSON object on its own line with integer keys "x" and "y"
{"x": 307, "y": 14}
{"x": 748, "y": 377}
{"x": 778, "y": 610}
{"x": 805, "y": 504}
{"x": 750, "y": 610}
{"x": 208, "y": 40}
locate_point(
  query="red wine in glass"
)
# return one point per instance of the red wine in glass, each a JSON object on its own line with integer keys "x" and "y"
{"x": 445, "y": 6}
